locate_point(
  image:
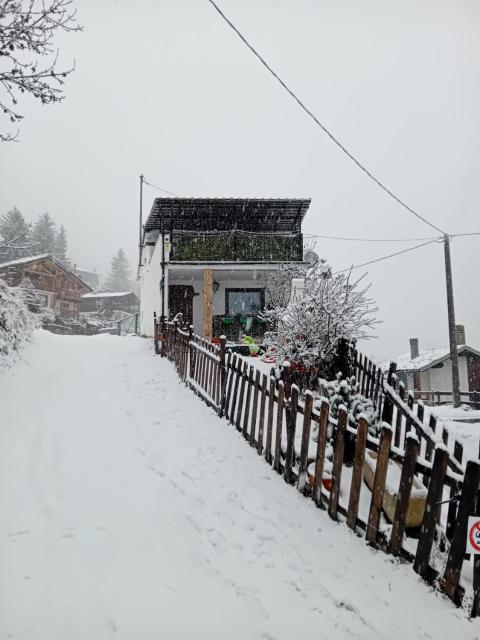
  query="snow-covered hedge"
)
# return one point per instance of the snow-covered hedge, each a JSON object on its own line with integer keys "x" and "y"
{"x": 16, "y": 323}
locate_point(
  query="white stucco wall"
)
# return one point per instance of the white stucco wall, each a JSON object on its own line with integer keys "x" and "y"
{"x": 440, "y": 379}
{"x": 150, "y": 296}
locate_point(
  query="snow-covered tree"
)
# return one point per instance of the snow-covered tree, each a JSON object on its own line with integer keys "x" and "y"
{"x": 307, "y": 331}
{"x": 16, "y": 323}
{"x": 14, "y": 232}
{"x": 44, "y": 235}
{"x": 29, "y": 296}
{"x": 278, "y": 284}
{"x": 28, "y": 29}
{"x": 60, "y": 251}
{"x": 118, "y": 278}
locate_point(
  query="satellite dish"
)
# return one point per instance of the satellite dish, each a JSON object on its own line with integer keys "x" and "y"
{"x": 311, "y": 257}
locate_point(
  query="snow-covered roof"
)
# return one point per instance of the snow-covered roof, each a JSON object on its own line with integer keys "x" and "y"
{"x": 428, "y": 358}
{"x": 26, "y": 260}
{"x": 43, "y": 256}
{"x": 109, "y": 294}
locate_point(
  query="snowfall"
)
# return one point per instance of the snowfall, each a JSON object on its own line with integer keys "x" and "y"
{"x": 130, "y": 510}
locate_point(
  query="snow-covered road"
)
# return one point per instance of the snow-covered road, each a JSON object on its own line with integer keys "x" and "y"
{"x": 130, "y": 511}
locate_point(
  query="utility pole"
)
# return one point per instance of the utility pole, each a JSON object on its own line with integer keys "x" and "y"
{"x": 140, "y": 226}
{"x": 451, "y": 323}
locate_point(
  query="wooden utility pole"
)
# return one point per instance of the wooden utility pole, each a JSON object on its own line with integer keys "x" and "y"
{"x": 140, "y": 226}
{"x": 208, "y": 304}
{"x": 451, "y": 323}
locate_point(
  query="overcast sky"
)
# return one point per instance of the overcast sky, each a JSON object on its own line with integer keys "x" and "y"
{"x": 164, "y": 87}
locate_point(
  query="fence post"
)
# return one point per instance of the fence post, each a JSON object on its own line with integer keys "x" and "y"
{"x": 307, "y": 421}
{"x": 155, "y": 333}
{"x": 459, "y": 540}
{"x": 223, "y": 376}
{"x": 412, "y": 450}
{"x": 379, "y": 484}
{"x": 357, "y": 474}
{"x": 429, "y": 523}
{"x": 338, "y": 462}
{"x": 291, "y": 423}
{"x": 191, "y": 353}
{"x": 320, "y": 457}
{"x": 163, "y": 347}
{"x": 287, "y": 379}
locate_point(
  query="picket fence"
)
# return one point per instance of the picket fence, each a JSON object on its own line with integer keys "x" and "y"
{"x": 270, "y": 414}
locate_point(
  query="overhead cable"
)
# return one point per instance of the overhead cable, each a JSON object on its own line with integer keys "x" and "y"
{"x": 391, "y": 255}
{"x": 322, "y": 126}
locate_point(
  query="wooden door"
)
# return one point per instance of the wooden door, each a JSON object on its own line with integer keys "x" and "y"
{"x": 180, "y": 300}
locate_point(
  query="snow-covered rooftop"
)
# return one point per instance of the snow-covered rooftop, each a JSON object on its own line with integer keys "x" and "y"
{"x": 428, "y": 357}
{"x": 108, "y": 294}
{"x": 43, "y": 256}
{"x": 12, "y": 263}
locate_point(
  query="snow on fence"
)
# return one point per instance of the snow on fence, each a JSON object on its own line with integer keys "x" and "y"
{"x": 416, "y": 498}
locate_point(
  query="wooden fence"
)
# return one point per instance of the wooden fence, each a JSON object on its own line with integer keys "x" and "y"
{"x": 407, "y": 453}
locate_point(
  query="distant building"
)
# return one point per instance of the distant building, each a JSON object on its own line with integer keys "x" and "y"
{"x": 90, "y": 277}
{"x": 109, "y": 303}
{"x": 431, "y": 369}
{"x": 56, "y": 285}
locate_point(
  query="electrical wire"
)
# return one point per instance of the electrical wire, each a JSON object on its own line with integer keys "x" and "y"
{"x": 391, "y": 255}
{"x": 323, "y": 127}
{"x": 463, "y": 235}
{"x": 319, "y": 235}
{"x": 160, "y": 189}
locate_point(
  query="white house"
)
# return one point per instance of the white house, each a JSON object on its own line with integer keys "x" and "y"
{"x": 431, "y": 369}
{"x": 209, "y": 259}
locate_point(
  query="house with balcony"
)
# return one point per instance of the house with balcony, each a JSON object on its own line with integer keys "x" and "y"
{"x": 209, "y": 259}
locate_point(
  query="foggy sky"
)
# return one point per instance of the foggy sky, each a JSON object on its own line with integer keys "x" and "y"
{"x": 166, "y": 89}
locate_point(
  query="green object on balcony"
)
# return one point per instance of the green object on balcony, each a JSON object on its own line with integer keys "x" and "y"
{"x": 237, "y": 247}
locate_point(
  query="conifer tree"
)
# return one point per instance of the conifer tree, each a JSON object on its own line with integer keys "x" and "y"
{"x": 44, "y": 235}
{"x": 61, "y": 244}
{"x": 118, "y": 278}
{"x": 14, "y": 231}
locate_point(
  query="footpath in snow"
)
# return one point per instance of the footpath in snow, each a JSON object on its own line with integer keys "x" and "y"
{"x": 130, "y": 511}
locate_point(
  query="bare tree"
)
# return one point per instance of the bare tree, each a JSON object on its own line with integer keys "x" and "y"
{"x": 333, "y": 308}
{"x": 27, "y": 31}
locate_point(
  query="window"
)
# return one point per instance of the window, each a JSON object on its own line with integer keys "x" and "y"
{"x": 243, "y": 301}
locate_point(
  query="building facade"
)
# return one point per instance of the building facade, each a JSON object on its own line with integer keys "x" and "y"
{"x": 58, "y": 287}
{"x": 209, "y": 259}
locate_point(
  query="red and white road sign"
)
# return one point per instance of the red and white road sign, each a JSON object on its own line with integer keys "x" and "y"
{"x": 473, "y": 535}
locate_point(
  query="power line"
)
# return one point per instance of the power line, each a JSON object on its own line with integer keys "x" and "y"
{"x": 160, "y": 189}
{"x": 391, "y": 255}
{"x": 323, "y": 127}
{"x": 462, "y": 235}
{"x": 319, "y": 235}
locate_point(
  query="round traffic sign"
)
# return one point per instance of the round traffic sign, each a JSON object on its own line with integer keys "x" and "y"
{"x": 474, "y": 536}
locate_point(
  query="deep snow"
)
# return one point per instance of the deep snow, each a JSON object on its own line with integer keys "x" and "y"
{"x": 130, "y": 510}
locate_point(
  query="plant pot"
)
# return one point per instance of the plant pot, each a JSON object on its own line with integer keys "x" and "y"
{"x": 418, "y": 497}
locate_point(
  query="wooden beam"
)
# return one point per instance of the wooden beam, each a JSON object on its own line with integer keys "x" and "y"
{"x": 208, "y": 304}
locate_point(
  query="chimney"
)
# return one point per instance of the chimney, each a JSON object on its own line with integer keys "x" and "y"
{"x": 414, "y": 348}
{"x": 460, "y": 334}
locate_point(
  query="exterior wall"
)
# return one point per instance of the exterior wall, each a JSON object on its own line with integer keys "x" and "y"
{"x": 440, "y": 378}
{"x": 150, "y": 297}
{"x": 65, "y": 291}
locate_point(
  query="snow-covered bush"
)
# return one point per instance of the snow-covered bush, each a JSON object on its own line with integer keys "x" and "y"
{"x": 16, "y": 322}
{"x": 308, "y": 330}
{"x": 346, "y": 392}
{"x": 35, "y": 302}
